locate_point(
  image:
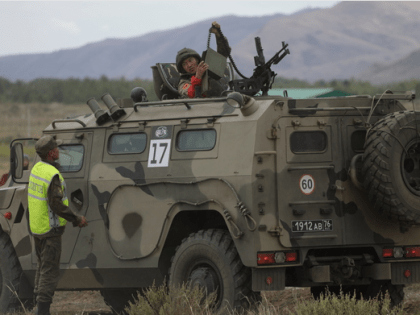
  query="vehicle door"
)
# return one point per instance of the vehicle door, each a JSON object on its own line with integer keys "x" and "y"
{"x": 309, "y": 169}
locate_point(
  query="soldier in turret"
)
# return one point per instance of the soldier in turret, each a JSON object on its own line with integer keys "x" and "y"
{"x": 192, "y": 68}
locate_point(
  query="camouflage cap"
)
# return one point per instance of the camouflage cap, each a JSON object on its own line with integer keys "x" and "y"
{"x": 46, "y": 144}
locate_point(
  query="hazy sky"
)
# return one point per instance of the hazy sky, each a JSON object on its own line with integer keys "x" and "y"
{"x": 46, "y": 26}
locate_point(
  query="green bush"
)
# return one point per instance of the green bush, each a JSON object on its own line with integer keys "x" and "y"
{"x": 182, "y": 300}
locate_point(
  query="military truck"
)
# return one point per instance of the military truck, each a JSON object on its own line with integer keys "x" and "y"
{"x": 237, "y": 194}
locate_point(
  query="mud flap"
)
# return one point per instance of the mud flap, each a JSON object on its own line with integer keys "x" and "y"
{"x": 405, "y": 273}
{"x": 268, "y": 279}
{"x": 377, "y": 271}
{"x": 320, "y": 274}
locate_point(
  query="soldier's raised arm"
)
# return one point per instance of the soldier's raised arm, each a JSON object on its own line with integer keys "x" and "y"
{"x": 223, "y": 47}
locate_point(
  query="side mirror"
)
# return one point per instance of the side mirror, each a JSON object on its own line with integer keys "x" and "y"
{"x": 16, "y": 161}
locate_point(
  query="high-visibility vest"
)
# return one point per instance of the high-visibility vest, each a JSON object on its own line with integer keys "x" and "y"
{"x": 41, "y": 218}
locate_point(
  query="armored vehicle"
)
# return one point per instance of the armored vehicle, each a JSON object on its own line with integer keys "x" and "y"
{"x": 237, "y": 194}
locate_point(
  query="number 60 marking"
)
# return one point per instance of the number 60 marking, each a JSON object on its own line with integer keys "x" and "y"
{"x": 307, "y": 184}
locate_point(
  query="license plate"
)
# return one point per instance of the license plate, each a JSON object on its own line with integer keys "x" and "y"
{"x": 312, "y": 225}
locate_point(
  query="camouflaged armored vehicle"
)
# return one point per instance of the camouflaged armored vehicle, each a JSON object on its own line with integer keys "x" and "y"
{"x": 237, "y": 194}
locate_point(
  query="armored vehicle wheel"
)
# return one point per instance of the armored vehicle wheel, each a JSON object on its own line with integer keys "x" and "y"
{"x": 209, "y": 259}
{"x": 10, "y": 272}
{"x": 391, "y": 166}
{"x": 377, "y": 289}
{"x": 117, "y": 299}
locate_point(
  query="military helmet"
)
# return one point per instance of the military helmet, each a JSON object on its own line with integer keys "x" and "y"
{"x": 183, "y": 54}
{"x": 138, "y": 94}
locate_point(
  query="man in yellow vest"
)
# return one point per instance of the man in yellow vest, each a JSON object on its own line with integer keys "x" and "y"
{"x": 48, "y": 214}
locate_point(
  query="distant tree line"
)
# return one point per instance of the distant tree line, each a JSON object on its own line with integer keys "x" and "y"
{"x": 352, "y": 86}
{"x": 76, "y": 91}
{"x": 70, "y": 91}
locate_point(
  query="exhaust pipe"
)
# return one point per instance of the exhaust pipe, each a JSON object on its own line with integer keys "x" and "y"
{"x": 100, "y": 115}
{"x": 114, "y": 109}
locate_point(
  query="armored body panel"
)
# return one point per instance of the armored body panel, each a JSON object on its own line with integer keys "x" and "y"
{"x": 289, "y": 190}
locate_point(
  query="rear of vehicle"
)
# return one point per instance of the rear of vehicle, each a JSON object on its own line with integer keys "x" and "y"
{"x": 331, "y": 228}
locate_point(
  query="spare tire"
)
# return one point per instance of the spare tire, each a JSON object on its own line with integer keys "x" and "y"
{"x": 391, "y": 166}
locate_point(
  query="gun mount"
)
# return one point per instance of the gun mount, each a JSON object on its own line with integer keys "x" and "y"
{"x": 263, "y": 77}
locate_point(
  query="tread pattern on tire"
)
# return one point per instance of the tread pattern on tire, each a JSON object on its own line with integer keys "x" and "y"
{"x": 376, "y": 167}
{"x": 9, "y": 300}
{"x": 243, "y": 294}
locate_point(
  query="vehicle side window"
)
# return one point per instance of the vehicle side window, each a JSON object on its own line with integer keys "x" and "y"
{"x": 128, "y": 143}
{"x": 196, "y": 140}
{"x": 358, "y": 140}
{"x": 308, "y": 141}
{"x": 71, "y": 157}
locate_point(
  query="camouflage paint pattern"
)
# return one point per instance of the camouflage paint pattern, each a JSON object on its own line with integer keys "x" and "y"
{"x": 250, "y": 183}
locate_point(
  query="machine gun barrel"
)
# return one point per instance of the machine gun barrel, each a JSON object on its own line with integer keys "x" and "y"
{"x": 260, "y": 59}
{"x": 276, "y": 56}
{"x": 280, "y": 58}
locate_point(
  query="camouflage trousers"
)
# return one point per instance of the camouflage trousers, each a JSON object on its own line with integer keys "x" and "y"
{"x": 48, "y": 252}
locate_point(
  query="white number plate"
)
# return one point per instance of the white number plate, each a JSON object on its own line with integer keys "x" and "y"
{"x": 312, "y": 226}
{"x": 159, "y": 153}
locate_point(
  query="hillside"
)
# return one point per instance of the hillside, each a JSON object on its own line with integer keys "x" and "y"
{"x": 336, "y": 43}
{"x": 403, "y": 69}
{"x": 126, "y": 57}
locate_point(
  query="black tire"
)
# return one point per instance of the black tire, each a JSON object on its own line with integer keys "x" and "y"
{"x": 10, "y": 272}
{"x": 377, "y": 289}
{"x": 118, "y": 299}
{"x": 210, "y": 260}
{"x": 392, "y": 176}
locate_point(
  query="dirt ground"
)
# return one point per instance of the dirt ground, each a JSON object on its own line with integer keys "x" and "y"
{"x": 91, "y": 302}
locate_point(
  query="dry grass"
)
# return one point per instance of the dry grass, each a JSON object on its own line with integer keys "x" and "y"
{"x": 283, "y": 302}
{"x": 28, "y": 121}
{"x": 23, "y": 120}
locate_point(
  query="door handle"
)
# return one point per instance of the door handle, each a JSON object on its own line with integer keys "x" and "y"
{"x": 77, "y": 198}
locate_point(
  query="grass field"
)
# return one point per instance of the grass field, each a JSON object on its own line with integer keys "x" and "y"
{"x": 292, "y": 301}
{"x": 28, "y": 121}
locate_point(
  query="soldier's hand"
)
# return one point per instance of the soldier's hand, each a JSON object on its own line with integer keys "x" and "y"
{"x": 201, "y": 68}
{"x": 215, "y": 28}
{"x": 83, "y": 222}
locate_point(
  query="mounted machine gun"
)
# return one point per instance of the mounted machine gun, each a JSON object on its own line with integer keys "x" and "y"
{"x": 263, "y": 77}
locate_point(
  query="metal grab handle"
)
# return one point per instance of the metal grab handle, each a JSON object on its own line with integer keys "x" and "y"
{"x": 185, "y": 101}
{"x": 68, "y": 120}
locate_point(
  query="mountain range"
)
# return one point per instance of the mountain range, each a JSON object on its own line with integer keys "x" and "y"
{"x": 373, "y": 41}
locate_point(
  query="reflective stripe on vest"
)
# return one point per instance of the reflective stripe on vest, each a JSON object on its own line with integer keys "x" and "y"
{"x": 41, "y": 218}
